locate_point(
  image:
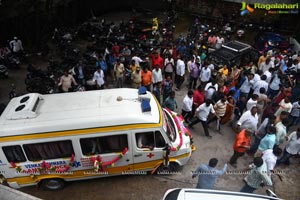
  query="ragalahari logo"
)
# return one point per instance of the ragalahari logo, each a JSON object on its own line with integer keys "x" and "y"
{"x": 246, "y": 8}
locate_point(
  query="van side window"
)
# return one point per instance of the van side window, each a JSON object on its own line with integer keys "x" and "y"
{"x": 105, "y": 144}
{"x": 14, "y": 153}
{"x": 159, "y": 140}
{"x": 48, "y": 150}
{"x": 150, "y": 140}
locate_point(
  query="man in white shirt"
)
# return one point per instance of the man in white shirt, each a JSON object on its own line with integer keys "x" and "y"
{"x": 187, "y": 106}
{"x": 262, "y": 83}
{"x": 249, "y": 119}
{"x": 270, "y": 157}
{"x": 205, "y": 74}
{"x": 16, "y": 46}
{"x": 99, "y": 78}
{"x": 247, "y": 84}
{"x": 281, "y": 131}
{"x": 156, "y": 75}
{"x": 180, "y": 70}
{"x": 292, "y": 147}
{"x": 202, "y": 113}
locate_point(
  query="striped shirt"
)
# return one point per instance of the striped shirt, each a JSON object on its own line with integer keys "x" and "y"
{"x": 220, "y": 108}
{"x": 258, "y": 175}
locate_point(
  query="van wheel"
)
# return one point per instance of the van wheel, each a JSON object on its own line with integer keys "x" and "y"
{"x": 53, "y": 184}
{"x": 172, "y": 168}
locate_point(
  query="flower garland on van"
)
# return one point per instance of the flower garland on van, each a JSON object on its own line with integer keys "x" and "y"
{"x": 181, "y": 128}
{"x": 46, "y": 167}
{"x": 99, "y": 165}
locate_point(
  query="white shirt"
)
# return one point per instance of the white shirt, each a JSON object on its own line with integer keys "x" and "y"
{"x": 169, "y": 63}
{"x": 16, "y": 45}
{"x": 247, "y": 120}
{"x": 156, "y": 76}
{"x": 274, "y": 85}
{"x": 137, "y": 60}
{"x": 180, "y": 67}
{"x": 187, "y": 103}
{"x": 268, "y": 75}
{"x": 189, "y": 65}
{"x": 210, "y": 84}
{"x": 293, "y": 145}
{"x": 205, "y": 74}
{"x": 256, "y": 78}
{"x": 203, "y": 111}
{"x": 284, "y": 107}
{"x": 99, "y": 77}
{"x": 259, "y": 84}
{"x": 246, "y": 86}
{"x": 219, "y": 40}
{"x": 270, "y": 159}
{"x": 296, "y": 109}
{"x": 250, "y": 104}
{"x": 280, "y": 133}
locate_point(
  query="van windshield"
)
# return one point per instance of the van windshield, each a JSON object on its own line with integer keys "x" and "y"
{"x": 169, "y": 126}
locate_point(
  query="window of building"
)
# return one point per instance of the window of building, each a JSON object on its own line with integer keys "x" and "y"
{"x": 14, "y": 153}
{"x": 105, "y": 144}
{"x": 49, "y": 150}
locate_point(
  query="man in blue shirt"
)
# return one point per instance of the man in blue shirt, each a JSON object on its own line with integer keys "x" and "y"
{"x": 207, "y": 174}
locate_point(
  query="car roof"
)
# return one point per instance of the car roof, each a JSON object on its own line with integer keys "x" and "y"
{"x": 202, "y": 194}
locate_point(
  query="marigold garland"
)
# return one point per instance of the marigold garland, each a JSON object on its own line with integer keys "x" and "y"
{"x": 99, "y": 165}
{"x": 46, "y": 167}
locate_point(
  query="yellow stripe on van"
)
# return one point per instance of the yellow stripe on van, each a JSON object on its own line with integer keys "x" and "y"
{"x": 91, "y": 173}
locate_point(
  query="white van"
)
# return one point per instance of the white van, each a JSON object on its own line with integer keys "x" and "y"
{"x": 50, "y": 139}
{"x": 202, "y": 194}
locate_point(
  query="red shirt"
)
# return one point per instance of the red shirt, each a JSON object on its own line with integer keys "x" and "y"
{"x": 198, "y": 98}
{"x": 157, "y": 61}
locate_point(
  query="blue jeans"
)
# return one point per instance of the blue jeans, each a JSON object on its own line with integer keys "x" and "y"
{"x": 272, "y": 93}
{"x": 247, "y": 189}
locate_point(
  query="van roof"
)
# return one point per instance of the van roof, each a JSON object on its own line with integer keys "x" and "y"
{"x": 36, "y": 113}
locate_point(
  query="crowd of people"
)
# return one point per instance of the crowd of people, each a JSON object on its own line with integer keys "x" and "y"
{"x": 259, "y": 99}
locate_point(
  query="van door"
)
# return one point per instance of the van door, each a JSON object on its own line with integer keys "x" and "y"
{"x": 109, "y": 148}
{"x": 148, "y": 148}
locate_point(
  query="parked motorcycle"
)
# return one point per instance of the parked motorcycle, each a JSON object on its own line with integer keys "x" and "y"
{"x": 3, "y": 71}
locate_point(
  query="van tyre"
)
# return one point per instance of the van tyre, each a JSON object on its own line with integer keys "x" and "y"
{"x": 53, "y": 184}
{"x": 171, "y": 169}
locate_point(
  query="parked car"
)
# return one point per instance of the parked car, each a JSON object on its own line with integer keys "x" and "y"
{"x": 265, "y": 41}
{"x": 233, "y": 52}
{"x": 201, "y": 194}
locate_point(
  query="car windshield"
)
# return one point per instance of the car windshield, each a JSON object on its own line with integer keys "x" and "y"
{"x": 169, "y": 126}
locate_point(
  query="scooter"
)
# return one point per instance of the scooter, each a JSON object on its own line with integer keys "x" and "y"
{"x": 3, "y": 71}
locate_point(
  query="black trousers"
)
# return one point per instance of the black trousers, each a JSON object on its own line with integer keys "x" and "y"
{"x": 178, "y": 80}
{"x": 204, "y": 124}
{"x": 235, "y": 156}
{"x": 186, "y": 115}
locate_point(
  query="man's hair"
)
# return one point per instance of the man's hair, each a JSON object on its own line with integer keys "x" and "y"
{"x": 190, "y": 92}
{"x": 213, "y": 162}
{"x": 258, "y": 161}
{"x": 286, "y": 121}
{"x": 271, "y": 129}
{"x": 277, "y": 151}
{"x": 284, "y": 112}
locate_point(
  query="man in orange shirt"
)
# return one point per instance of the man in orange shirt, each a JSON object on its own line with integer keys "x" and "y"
{"x": 241, "y": 145}
{"x": 146, "y": 78}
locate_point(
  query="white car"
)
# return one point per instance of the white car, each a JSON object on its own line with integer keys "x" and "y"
{"x": 201, "y": 194}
